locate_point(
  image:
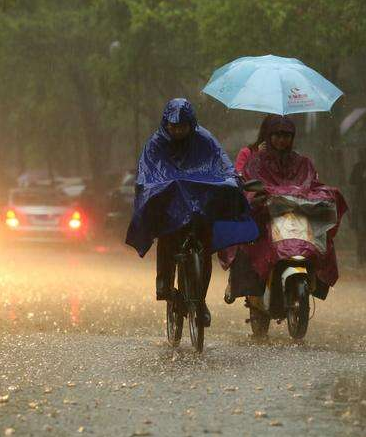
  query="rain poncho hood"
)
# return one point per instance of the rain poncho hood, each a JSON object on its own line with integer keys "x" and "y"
{"x": 177, "y": 181}
{"x": 277, "y": 123}
{"x": 179, "y": 111}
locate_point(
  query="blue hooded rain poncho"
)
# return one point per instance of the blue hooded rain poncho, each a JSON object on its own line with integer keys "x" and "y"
{"x": 174, "y": 184}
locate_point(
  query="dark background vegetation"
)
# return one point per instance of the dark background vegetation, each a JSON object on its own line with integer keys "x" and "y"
{"x": 83, "y": 82}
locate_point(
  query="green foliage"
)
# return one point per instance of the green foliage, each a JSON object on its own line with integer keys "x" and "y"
{"x": 96, "y": 73}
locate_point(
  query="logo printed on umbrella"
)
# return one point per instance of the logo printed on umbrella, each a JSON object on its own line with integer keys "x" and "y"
{"x": 296, "y": 94}
{"x": 297, "y": 97}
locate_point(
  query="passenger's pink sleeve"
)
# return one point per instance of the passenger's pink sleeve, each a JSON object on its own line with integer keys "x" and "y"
{"x": 242, "y": 159}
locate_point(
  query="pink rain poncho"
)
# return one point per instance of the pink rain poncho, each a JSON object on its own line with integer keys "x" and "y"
{"x": 293, "y": 186}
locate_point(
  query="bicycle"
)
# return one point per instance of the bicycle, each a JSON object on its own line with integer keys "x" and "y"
{"x": 188, "y": 299}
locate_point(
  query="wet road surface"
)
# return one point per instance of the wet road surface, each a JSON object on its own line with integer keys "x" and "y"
{"x": 83, "y": 351}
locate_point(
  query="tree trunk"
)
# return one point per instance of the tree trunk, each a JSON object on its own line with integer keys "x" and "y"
{"x": 48, "y": 151}
{"x": 339, "y": 174}
{"x": 331, "y": 168}
{"x": 20, "y": 156}
{"x": 137, "y": 115}
{"x": 93, "y": 134}
{"x": 76, "y": 158}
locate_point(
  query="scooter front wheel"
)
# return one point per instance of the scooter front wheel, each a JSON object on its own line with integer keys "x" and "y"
{"x": 298, "y": 307}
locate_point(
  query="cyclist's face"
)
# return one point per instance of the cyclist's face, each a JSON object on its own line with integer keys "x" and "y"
{"x": 179, "y": 131}
{"x": 281, "y": 140}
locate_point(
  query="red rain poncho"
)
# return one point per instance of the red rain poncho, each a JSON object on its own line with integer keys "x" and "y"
{"x": 290, "y": 176}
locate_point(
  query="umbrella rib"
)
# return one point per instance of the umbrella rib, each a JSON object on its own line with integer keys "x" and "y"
{"x": 319, "y": 94}
{"x": 324, "y": 98}
{"x": 280, "y": 80}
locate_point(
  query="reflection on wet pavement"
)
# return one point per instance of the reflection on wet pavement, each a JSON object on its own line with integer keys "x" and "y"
{"x": 46, "y": 289}
{"x": 54, "y": 371}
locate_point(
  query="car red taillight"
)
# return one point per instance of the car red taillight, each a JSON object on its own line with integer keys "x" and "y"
{"x": 11, "y": 219}
{"x": 75, "y": 221}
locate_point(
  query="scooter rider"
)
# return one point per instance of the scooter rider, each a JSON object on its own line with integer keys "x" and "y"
{"x": 285, "y": 173}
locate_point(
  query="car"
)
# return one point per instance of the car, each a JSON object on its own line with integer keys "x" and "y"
{"x": 127, "y": 188}
{"x": 120, "y": 204}
{"x": 43, "y": 215}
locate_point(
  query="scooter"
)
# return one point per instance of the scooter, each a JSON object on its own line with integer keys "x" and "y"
{"x": 291, "y": 281}
{"x": 286, "y": 296}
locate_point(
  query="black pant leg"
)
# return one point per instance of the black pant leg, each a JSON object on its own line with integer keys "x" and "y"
{"x": 165, "y": 263}
{"x": 205, "y": 235}
{"x": 207, "y": 271}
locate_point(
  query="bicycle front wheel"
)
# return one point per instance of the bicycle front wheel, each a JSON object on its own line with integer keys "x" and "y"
{"x": 174, "y": 323}
{"x": 196, "y": 328}
{"x": 193, "y": 281}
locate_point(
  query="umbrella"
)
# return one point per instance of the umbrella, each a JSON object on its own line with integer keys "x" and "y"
{"x": 351, "y": 119}
{"x": 272, "y": 84}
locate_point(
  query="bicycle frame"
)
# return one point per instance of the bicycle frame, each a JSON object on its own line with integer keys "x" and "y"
{"x": 187, "y": 301}
{"x": 188, "y": 258}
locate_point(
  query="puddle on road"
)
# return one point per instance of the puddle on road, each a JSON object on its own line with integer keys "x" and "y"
{"x": 345, "y": 396}
{"x": 101, "y": 294}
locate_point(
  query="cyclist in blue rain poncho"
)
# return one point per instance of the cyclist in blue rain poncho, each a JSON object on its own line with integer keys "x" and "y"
{"x": 183, "y": 173}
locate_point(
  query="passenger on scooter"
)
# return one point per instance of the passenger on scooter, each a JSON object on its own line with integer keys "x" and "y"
{"x": 286, "y": 173}
{"x": 248, "y": 151}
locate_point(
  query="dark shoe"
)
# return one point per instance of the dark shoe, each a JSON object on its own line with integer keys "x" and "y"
{"x": 163, "y": 294}
{"x": 206, "y": 315}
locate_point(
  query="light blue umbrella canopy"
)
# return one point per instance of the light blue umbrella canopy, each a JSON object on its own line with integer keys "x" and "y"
{"x": 272, "y": 84}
